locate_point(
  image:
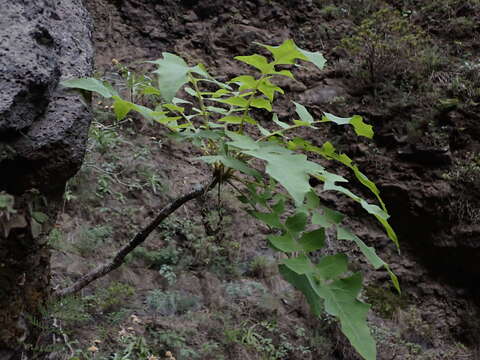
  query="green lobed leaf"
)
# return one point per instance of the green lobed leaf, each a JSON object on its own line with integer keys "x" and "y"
{"x": 271, "y": 219}
{"x": 314, "y": 57}
{"x": 332, "y": 266}
{"x": 313, "y": 240}
{"x": 232, "y": 119}
{"x": 300, "y": 264}
{"x": 172, "y": 75}
{"x": 341, "y": 301}
{"x": 220, "y": 92}
{"x": 217, "y": 110}
{"x": 302, "y": 111}
{"x": 368, "y": 252}
{"x": 279, "y": 123}
{"x": 328, "y": 151}
{"x": 261, "y": 103}
{"x": 296, "y": 179}
{"x": 235, "y": 101}
{"x": 296, "y": 223}
{"x": 245, "y": 82}
{"x": 303, "y": 283}
{"x": 263, "y": 131}
{"x": 288, "y": 52}
{"x": 258, "y": 61}
{"x": 201, "y": 70}
{"x": 243, "y": 142}
{"x": 121, "y": 107}
{"x": 268, "y": 89}
{"x": 361, "y": 128}
{"x": 40, "y": 217}
{"x": 284, "y": 243}
{"x": 90, "y": 84}
{"x": 150, "y": 90}
{"x": 173, "y": 107}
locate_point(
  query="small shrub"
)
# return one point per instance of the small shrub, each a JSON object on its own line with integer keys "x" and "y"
{"x": 90, "y": 238}
{"x": 155, "y": 259}
{"x": 387, "y": 46}
{"x": 239, "y": 290}
{"x": 176, "y": 343}
{"x": 261, "y": 266}
{"x": 113, "y": 297}
{"x": 384, "y": 301}
{"x": 169, "y": 303}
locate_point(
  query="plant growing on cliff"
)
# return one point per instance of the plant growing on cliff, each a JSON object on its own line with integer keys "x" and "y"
{"x": 388, "y": 47}
{"x": 269, "y": 169}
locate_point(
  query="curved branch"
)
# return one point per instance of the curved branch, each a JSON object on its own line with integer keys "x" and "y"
{"x": 139, "y": 238}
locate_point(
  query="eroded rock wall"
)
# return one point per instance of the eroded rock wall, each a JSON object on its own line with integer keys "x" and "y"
{"x": 43, "y": 131}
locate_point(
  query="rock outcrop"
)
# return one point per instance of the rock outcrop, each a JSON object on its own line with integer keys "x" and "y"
{"x": 43, "y": 132}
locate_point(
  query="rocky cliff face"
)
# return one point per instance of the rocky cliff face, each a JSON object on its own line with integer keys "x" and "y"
{"x": 42, "y": 142}
{"x": 42, "y": 130}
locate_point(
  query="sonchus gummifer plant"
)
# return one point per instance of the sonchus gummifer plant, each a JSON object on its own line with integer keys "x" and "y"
{"x": 269, "y": 169}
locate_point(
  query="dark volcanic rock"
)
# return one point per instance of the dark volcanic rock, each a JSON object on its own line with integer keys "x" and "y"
{"x": 42, "y": 129}
{"x": 43, "y": 133}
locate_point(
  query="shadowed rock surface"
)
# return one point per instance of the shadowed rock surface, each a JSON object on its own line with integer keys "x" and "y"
{"x": 43, "y": 132}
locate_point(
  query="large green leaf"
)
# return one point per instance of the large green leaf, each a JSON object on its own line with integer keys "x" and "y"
{"x": 271, "y": 219}
{"x": 332, "y": 266}
{"x": 303, "y": 113}
{"x": 245, "y": 82}
{"x": 368, "y": 252}
{"x": 313, "y": 240}
{"x": 172, "y": 75}
{"x": 268, "y": 89}
{"x": 234, "y": 101}
{"x": 341, "y": 301}
{"x": 243, "y": 142}
{"x": 296, "y": 223}
{"x": 328, "y": 151}
{"x": 284, "y": 243}
{"x": 289, "y": 169}
{"x": 381, "y": 215}
{"x": 258, "y": 61}
{"x": 303, "y": 283}
{"x": 300, "y": 264}
{"x": 288, "y": 52}
{"x": 122, "y": 108}
{"x": 261, "y": 103}
{"x": 314, "y": 57}
{"x": 282, "y": 124}
{"x": 356, "y": 121}
{"x": 90, "y": 84}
